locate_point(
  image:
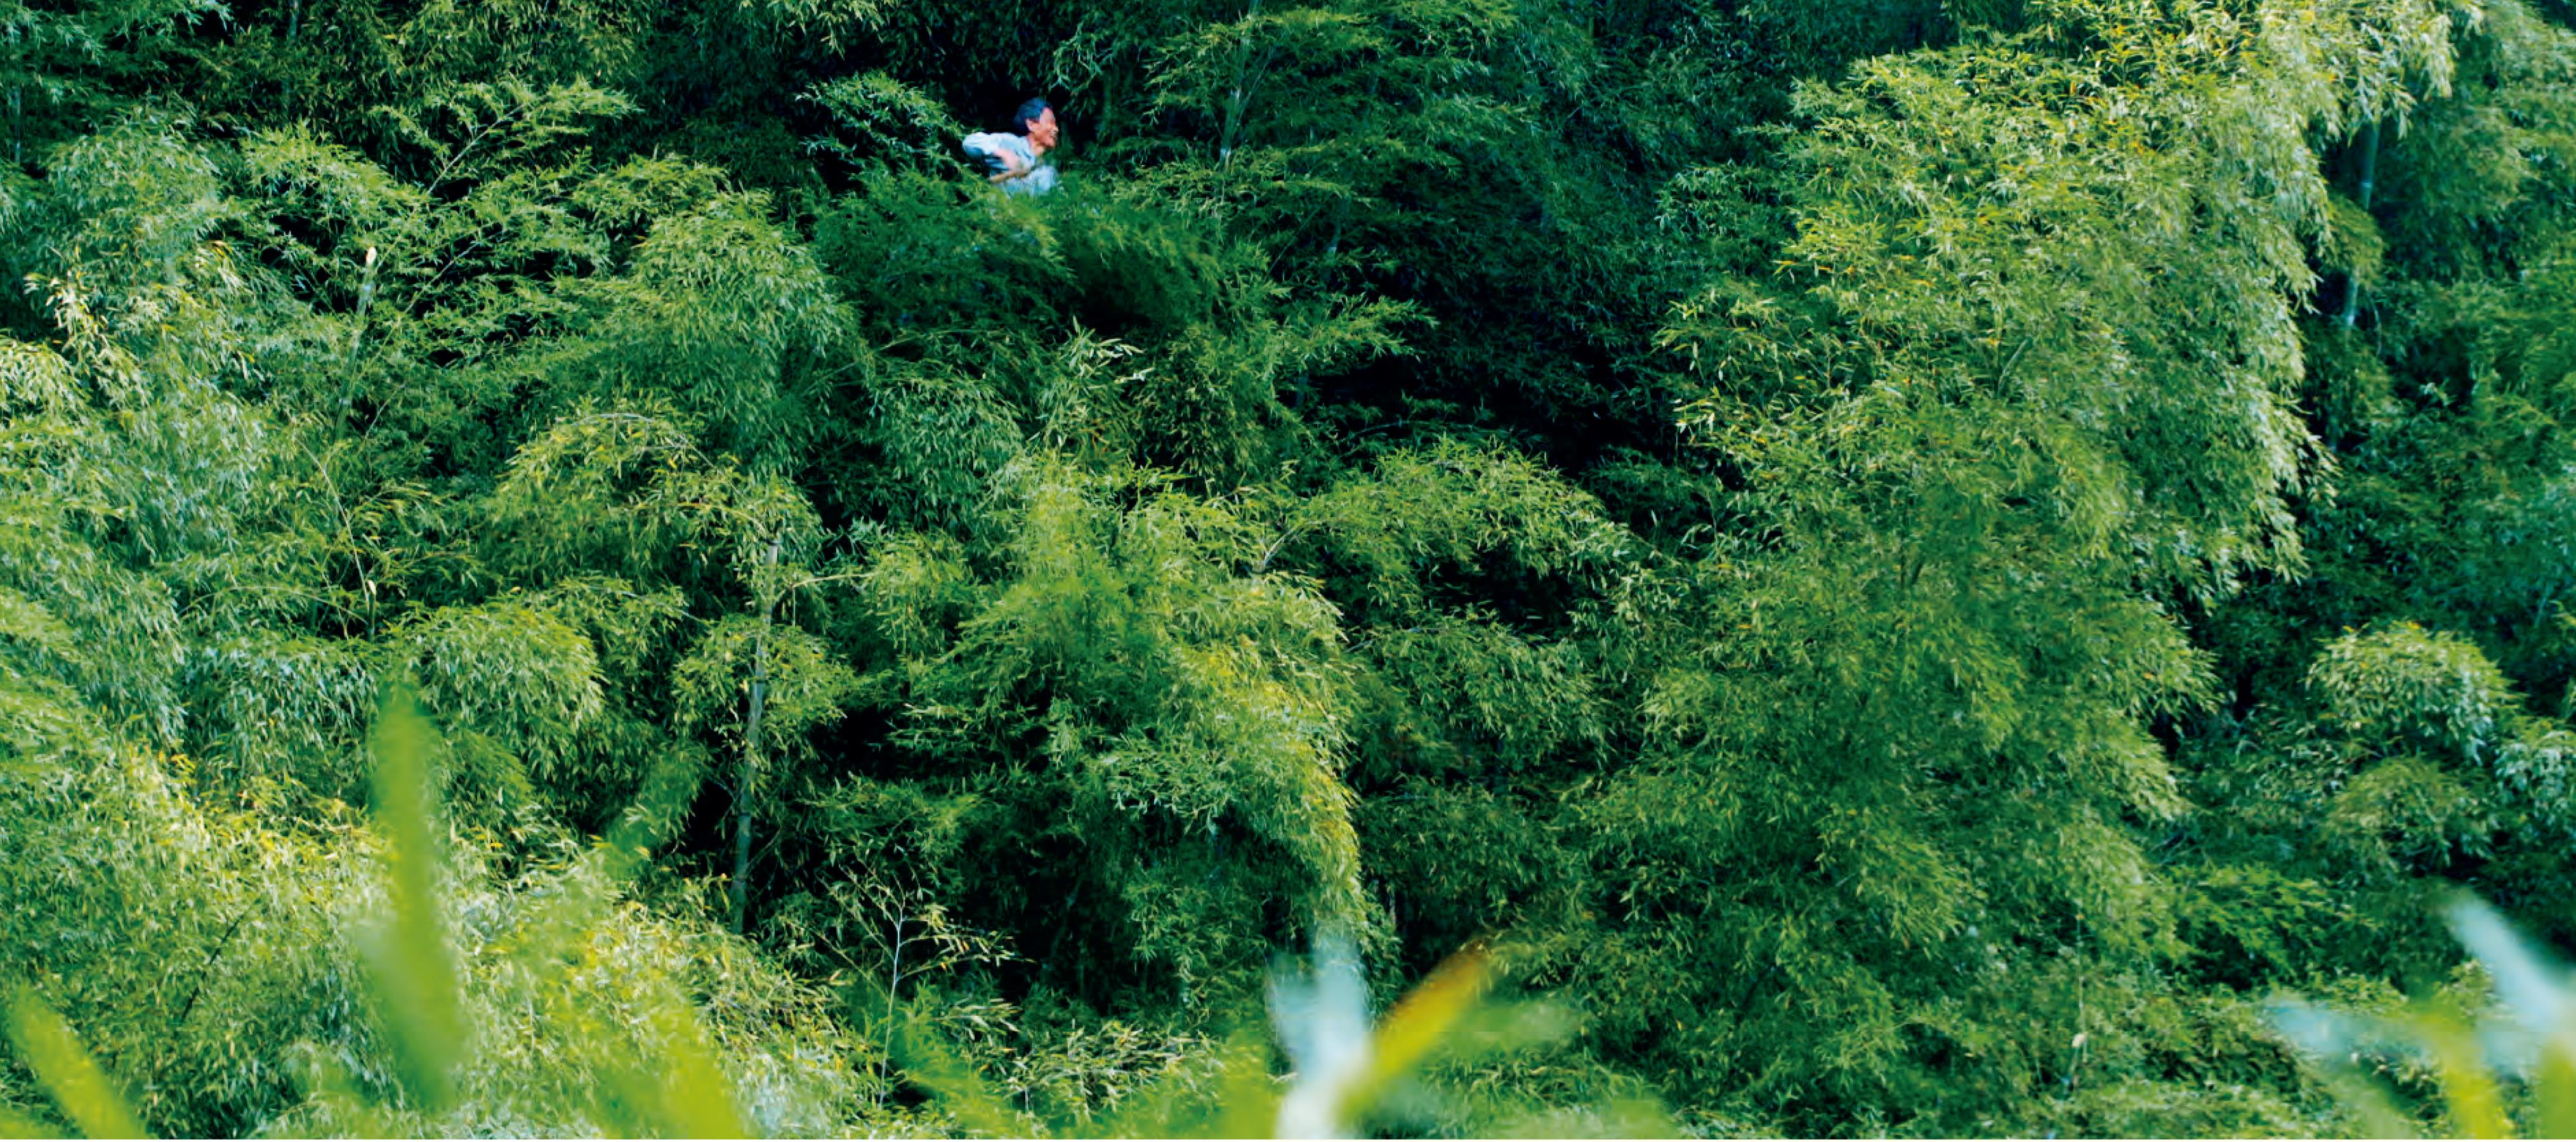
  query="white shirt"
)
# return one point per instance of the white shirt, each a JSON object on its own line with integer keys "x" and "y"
{"x": 990, "y": 147}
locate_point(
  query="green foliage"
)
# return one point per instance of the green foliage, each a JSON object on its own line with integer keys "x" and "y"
{"x": 1349, "y": 1074}
{"x": 2493, "y": 1072}
{"x": 1174, "y": 698}
{"x": 896, "y": 125}
{"x": 2408, "y": 684}
{"x": 1900, "y": 559}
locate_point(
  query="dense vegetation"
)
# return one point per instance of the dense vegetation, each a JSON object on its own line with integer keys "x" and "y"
{"x": 1910, "y": 561}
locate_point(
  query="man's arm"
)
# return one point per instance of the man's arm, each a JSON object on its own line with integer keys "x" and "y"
{"x": 1012, "y": 167}
{"x": 1002, "y": 156}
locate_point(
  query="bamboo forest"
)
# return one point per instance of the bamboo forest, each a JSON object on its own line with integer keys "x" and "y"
{"x": 1362, "y": 568}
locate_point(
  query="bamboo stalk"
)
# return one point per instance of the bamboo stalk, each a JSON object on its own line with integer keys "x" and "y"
{"x": 2369, "y": 182}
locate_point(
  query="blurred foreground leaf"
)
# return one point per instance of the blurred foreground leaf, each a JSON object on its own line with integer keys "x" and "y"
{"x": 67, "y": 1072}
{"x": 410, "y": 969}
{"x": 2528, "y": 1040}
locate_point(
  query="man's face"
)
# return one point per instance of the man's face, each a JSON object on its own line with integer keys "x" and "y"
{"x": 1042, "y": 130}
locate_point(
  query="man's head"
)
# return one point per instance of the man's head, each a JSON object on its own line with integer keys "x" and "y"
{"x": 1037, "y": 121}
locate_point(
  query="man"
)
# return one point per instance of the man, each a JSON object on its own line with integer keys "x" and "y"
{"x": 1017, "y": 161}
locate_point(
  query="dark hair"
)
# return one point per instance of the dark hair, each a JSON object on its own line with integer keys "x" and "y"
{"x": 1028, "y": 113}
